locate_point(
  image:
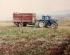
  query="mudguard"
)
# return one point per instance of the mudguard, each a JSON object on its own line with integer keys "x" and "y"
{"x": 53, "y": 21}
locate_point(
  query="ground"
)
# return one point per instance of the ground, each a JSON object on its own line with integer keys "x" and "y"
{"x": 31, "y": 40}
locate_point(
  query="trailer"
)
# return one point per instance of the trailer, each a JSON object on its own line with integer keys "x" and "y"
{"x": 22, "y": 19}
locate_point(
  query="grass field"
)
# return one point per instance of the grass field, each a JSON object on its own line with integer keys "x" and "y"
{"x": 31, "y": 40}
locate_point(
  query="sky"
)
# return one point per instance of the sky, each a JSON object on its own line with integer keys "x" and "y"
{"x": 49, "y": 7}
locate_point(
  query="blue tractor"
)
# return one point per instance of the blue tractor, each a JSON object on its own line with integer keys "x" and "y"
{"x": 47, "y": 21}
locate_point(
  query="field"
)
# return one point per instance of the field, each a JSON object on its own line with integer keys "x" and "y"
{"x": 31, "y": 40}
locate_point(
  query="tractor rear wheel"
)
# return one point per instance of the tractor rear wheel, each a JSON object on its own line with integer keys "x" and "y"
{"x": 54, "y": 25}
{"x": 41, "y": 24}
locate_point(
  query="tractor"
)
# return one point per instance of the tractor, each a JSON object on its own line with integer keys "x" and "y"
{"x": 47, "y": 21}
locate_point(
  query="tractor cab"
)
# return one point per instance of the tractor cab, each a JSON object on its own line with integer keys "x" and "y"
{"x": 46, "y": 17}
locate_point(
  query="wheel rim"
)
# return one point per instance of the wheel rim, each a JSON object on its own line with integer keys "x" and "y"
{"x": 20, "y": 24}
{"x": 41, "y": 24}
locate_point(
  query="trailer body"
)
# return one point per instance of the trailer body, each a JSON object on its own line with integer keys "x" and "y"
{"x": 20, "y": 19}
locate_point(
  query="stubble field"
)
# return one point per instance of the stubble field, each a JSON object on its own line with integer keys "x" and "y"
{"x": 31, "y": 40}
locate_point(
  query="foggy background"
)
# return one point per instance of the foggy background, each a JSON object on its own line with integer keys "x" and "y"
{"x": 40, "y": 7}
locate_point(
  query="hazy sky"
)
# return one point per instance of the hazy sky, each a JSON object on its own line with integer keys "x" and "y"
{"x": 7, "y": 7}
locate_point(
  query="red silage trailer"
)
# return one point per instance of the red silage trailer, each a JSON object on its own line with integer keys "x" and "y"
{"x": 22, "y": 19}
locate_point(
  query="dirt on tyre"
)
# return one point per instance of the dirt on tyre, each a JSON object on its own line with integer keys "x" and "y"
{"x": 41, "y": 24}
{"x": 54, "y": 25}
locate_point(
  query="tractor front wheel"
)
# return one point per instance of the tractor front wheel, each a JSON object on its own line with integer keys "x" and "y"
{"x": 41, "y": 24}
{"x": 54, "y": 25}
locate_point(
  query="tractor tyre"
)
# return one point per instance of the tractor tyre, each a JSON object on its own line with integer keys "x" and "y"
{"x": 54, "y": 25}
{"x": 24, "y": 24}
{"x": 41, "y": 24}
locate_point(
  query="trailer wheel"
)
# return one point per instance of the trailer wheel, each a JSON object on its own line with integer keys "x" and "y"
{"x": 41, "y": 24}
{"x": 54, "y": 25}
{"x": 16, "y": 24}
{"x": 20, "y": 24}
{"x": 24, "y": 24}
